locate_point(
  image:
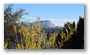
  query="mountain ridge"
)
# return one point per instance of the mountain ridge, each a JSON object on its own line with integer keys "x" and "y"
{"x": 46, "y": 24}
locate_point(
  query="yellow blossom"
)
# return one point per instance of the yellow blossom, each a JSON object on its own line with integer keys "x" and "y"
{"x": 14, "y": 28}
{"x": 5, "y": 45}
{"x": 38, "y": 18}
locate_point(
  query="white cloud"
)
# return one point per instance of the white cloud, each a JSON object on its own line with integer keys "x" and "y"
{"x": 60, "y": 22}
{"x": 57, "y": 22}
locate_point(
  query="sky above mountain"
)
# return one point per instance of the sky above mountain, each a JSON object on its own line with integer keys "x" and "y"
{"x": 56, "y": 13}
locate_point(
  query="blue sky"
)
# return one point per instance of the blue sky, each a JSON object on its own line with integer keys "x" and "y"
{"x": 56, "y": 13}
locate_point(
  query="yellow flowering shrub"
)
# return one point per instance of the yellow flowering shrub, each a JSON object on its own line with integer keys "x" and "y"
{"x": 14, "y": 28}
{"x": 32, "y": 37}
{"x": 5, "y": 45}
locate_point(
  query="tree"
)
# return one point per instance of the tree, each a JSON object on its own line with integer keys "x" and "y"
{"x": 65, "y": 34}
{"x": 10, "y": 21}
{"x": 48, "y": 35}
{"x": 74, "y": 24}
{"x": 80, "y": 34}
{"x": 11, "y": 16}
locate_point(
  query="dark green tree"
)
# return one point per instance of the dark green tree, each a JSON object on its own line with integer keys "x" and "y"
{"x": 80, "y": 34}
{"x": 74, "y": 24}
{"x": 48, "y": 35}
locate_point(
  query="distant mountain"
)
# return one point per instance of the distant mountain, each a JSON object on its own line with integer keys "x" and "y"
{"x": 46, "y": 24}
